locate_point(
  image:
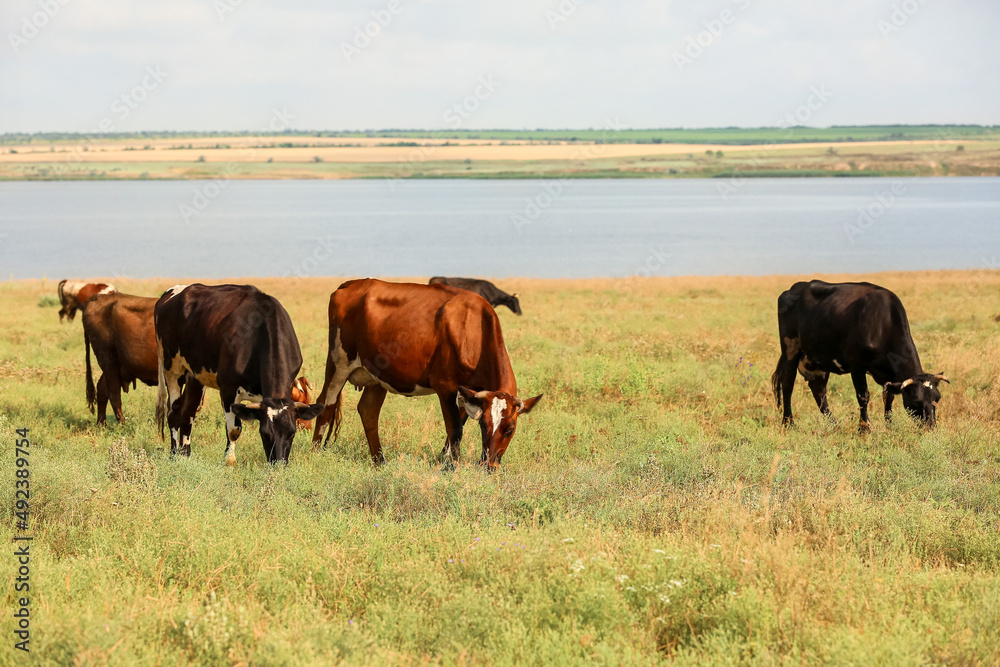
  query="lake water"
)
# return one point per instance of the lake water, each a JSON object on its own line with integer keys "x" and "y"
{"x": 551, "y": 229}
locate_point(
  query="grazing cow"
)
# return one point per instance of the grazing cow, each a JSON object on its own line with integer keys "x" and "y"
{"x": 855, "y": 328}
{"x": 485, "y": 289}
{"x": 416, "y": 340}
{"x": 238, "y": 340}
{"x": 120, "y": 329}
{"x": 74, "y": 295}
{"x": 302, "y": 393}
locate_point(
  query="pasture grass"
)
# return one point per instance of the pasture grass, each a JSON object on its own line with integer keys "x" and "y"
{"x": 650, "y": 510}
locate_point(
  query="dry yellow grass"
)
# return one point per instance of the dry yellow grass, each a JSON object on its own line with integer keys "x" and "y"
{"x": 244, "y": 149}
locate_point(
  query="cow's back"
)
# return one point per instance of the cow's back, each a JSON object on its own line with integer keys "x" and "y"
{"x": 120, "y": 329}
{"x": 236, "y": 329}
{"x": 422, "y": 332}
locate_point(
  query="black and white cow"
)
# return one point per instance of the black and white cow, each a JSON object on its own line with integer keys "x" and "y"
{"x": 238, "y": 340}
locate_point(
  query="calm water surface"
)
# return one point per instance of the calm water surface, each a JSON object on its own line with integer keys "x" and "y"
{"x": 581, "y": 228}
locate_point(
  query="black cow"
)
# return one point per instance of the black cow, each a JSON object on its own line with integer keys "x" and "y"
{"x": 238, "y": 340}
{"x": 485, "y": 289}
{"x": 855, "y": 328}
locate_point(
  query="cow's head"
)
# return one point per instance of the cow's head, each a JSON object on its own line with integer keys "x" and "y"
{"x": 276, "y": 417}
{"x": 514, "y": 304}
{"x": 497, "y": 414}
{"x": 920, "y": 395}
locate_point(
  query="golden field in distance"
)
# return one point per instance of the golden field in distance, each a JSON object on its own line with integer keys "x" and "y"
{"x": 307, "y": 157}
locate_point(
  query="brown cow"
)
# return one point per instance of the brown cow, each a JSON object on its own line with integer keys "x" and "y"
{"x": 416, "y": 340}
{"x": 74, "y": 295}
{"x": 120, "y": 329}
{"x": 302, "y": 392}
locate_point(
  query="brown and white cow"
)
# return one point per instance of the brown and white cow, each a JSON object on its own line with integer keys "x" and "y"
{"x": 417, "y": 340}
{"x": 120, "y": 329}
{"x": 73, "y": 296}
{"x": 238, "y": 340}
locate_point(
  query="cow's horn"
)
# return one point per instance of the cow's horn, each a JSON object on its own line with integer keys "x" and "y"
{"x": 482, "y": 395}
{"x": 520, "y": 403}
{"x": 298, "y": 385}
{"x": 516, "y": 295}
{"x": 941, "y": 378}
{"x": 906, "y": 383}
{"x": 252, "y": 406}
{"x": 299, "y": 405}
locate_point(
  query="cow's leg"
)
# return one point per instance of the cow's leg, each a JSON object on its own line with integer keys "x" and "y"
{"x": 454, "y": 422}
{"x": 173, "y": 386}
{"x": 234, "y": 427}
{"x": 818, "y": 387}
{"x": 369, "y": 408}
{"x": 860, "y": 379}
{"x": 789, "y": 371}
{"x": 102, "y": 400}
{"x": 190, "y": 400}
{"x": 331, "y": 396}
{"x": 114, "y": 388}
{"x": 887, "y": 398}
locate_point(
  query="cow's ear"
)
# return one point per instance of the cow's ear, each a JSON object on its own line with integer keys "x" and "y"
{"x": 307, "y": 412}
{"x": 527, "y": 404}
{"x": 252, "y": 412}
{"x": 469, "y": 401}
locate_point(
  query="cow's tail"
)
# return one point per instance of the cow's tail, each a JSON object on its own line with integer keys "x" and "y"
{"x": 338, "y": 418}
{"x": 776, "y": 380}
{"x": 161, "y": 388}
{"x": 91, "y": 392}
{"x": 59, "y": 291}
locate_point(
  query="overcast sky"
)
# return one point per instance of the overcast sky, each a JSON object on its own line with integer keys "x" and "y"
{"x": 229, "y": 64}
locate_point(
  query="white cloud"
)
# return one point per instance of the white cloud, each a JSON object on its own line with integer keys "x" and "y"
{"x": 606, "y": 59}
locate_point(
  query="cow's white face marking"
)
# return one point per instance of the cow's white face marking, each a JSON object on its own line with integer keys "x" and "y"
{"x": 272, "y": 413}
{"x": 496, "y": 412}
{"x": 174, "y": 291}
{"x": 927, "y": 384}
{"x": 110, "y": 289}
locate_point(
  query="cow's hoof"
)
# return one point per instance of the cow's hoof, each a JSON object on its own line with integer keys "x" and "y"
{"x": 231, "y": 461}
{"x": 864, "y": 428}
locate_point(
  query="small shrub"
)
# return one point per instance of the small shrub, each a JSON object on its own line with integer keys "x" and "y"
{"x": 126, "y": 466}
{"x": 201, "y": 158}
{"x": 47, "y": 301}
{"x": 317, "y": 158}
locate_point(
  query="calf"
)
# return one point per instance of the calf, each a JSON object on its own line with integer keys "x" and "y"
{"x": 120, "y": 329}
{"x": 73, "y": 295}
{"x": 484, "y": 288}
{"x": 302, "y": 393}
{"x": 238, "y": 340}
{"x": 417, "y": 340}
{"x": 855, "y": 328}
